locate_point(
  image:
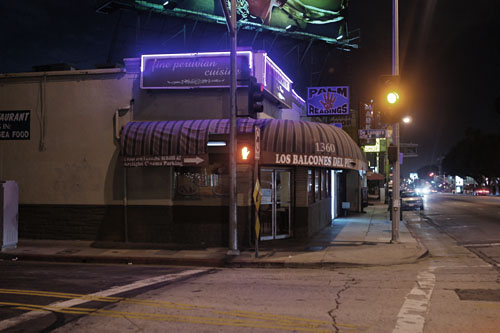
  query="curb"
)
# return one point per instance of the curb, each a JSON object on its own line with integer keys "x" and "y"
{"x": 226, "y": 261}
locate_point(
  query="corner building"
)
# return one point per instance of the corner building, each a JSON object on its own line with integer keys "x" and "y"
{"x": 140, "y": 154}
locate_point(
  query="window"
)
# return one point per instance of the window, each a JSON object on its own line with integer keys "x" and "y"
{"x": 317, "y": 184}
{"x": 324, "y": 178}
{"x": 196, "y": 182}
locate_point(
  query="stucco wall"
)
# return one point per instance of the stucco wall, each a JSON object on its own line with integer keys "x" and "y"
{"x": 77, "y": 163}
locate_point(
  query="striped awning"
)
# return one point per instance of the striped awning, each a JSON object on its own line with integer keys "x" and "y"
{"x": 284, "y": 142}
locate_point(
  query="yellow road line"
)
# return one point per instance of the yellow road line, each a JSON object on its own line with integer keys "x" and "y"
{"x": 166, "y": 317}
{"x": 279, "y": 319}
{"x": 247, "y": 314}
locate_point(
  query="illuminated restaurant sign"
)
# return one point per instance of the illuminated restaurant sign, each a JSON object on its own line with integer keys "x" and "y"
{"x": 192, "y": 70}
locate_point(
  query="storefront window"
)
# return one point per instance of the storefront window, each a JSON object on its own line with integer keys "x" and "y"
{"x": 310, "y": 185}
{"x": 328, "y": 182}
{"x": 196, "y": 182}
{"x": 317, "y": 184}
{"x": 324, "y": 182}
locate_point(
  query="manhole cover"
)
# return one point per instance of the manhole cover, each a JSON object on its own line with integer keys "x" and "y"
{"x": 488, "y": 295}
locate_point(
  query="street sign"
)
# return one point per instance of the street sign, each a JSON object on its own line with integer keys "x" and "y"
{"x": 257, "y": 143}
{"x": 373, "y": 133}
{"x": 409, "y": 149}
{"x": 257, "y": 195}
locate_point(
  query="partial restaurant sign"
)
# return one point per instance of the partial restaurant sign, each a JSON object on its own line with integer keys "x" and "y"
{"x": 194, "y": 70}
{"x": 373, "y": 133}
{"x": 327, "y": 101}
{"x": 15, "y": 125}
{"x": 325, "y": 161}
{"x": 164, "y": 161}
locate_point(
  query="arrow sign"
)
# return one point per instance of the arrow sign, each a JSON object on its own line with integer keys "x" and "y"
{"x": 193, "y": 160}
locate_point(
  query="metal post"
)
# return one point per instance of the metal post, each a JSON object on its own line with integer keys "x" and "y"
{"x": 125, "y": 205}
{"x": 396, "y": 206}
{"x": 233, "y": 204}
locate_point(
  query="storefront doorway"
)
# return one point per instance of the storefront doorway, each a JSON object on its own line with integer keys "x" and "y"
{"x": 275, "y": 208}
{"x": 334, "y": 192}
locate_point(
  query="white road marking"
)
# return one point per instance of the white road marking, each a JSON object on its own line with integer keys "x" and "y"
{"x": 411, "y": 316}
{"x": 482, "y": 245}
{"x": 105, "y": 293}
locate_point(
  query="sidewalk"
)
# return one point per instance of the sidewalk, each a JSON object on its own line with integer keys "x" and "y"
{"x": 356, "y": 240}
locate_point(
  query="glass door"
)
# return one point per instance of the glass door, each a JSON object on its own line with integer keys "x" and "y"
{"x": 275, "y": 208}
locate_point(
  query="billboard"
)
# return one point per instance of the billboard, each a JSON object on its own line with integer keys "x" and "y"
{"x": 313, "y": 18}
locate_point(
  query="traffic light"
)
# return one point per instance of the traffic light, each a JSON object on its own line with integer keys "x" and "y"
{"x": 390, "y": 98}
{"x": 255, "y": 97}
{"x": 245, "y": 152}
{"x": 392, "y": 154}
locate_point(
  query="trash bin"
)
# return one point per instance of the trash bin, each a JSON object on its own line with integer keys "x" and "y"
{"x": 9, "y": 212}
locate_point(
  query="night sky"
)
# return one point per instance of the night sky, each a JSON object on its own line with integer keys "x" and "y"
{"x": 449, "y": 56}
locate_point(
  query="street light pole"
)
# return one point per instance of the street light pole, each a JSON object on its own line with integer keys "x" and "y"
{"x": 396, "y": 206}
{"x": 233, "y": 204}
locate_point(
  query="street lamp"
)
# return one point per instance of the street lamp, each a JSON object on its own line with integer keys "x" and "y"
{"x": 396, "y": 175}
{"x": 406, "y": 119}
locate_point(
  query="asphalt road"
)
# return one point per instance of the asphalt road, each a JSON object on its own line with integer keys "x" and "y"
{"x": 468, "y": 219}
{"x": 455, "y": 289}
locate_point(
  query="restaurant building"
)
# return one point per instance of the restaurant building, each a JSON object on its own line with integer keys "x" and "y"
{"x": 140, "y": 154}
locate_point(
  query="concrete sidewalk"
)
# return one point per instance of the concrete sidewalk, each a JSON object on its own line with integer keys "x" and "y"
{"x": 357, "y": 240}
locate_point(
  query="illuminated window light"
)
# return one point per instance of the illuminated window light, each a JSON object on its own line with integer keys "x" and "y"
{"x": 216, "y": 144}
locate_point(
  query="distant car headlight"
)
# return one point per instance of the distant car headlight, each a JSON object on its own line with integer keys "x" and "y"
{"x": 423, "y": 190}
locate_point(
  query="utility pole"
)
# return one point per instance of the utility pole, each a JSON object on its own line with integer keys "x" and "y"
{"x": 233, "y": 204}
{"x": 396, "y": 206}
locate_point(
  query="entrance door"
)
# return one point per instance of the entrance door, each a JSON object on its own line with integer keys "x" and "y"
{"x": 275, "y": 207}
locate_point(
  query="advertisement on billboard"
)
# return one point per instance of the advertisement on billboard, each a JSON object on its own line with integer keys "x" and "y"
{"x": 327, "y": 101}
{"x": 313, "y": 18}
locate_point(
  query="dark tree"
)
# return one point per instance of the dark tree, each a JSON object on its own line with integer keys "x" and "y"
{"x": 425, "y": 171}
{"x": 476, "y": 156}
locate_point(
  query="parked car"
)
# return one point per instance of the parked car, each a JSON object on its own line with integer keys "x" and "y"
{"x": 411, "y": 201}
{"x": 481, "y": 191}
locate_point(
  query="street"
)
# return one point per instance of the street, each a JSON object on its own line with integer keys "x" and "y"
{"x": 455, "y": 289}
